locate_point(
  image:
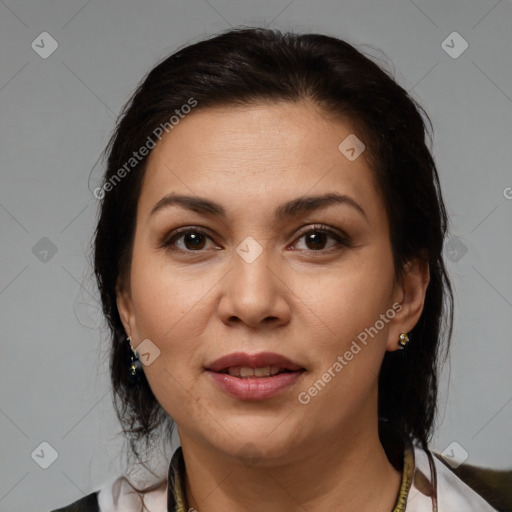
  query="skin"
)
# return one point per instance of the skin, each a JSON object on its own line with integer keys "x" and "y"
{"x": 303, "y": 300}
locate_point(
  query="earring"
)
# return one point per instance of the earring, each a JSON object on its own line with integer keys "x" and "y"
{"x": 135, "y": 368}
{"x": 403, "y": 340}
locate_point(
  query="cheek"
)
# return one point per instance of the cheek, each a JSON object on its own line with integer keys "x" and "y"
{"x": 351, "y": 341}
{"x": 167, "y": 308}
{"x": 349, "y": 298}
{"x": 164, "y": 295}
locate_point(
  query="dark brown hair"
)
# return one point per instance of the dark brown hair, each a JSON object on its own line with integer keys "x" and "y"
{"x": 243, "y": 66}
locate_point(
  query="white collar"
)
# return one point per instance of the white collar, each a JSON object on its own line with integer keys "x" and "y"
{"x": 453, "y": 495}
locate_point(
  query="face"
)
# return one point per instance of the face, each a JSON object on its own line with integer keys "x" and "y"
{"x": 255, "y": 267}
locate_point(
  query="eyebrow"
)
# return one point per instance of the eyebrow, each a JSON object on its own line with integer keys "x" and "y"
{"x": 294, "y": 208}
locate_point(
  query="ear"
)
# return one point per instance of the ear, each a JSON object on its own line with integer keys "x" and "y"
{"x": 410, "y": 293}
{"x": 125, "y": 308}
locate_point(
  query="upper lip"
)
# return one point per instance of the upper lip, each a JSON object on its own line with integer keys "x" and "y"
{"x": 259, "y": 360}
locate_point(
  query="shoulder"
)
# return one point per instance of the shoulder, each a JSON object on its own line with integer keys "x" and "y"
{"x": 88, "y": 503}
{"x": 453, "y": 494}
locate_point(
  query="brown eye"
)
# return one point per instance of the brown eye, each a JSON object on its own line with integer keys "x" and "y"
{"x": 316, "y": 240}
{"x": 191, "y": 240}
{"x": 317, "y": 237}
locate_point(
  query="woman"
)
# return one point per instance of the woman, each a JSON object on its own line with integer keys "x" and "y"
{"x": 269, "y": 247}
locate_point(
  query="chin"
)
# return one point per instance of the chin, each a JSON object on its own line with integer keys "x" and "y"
{"x": 260, "y": 444}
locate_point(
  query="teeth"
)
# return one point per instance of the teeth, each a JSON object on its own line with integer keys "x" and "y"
{"x": 262, "y": 372}
{"x": 245, "y": 371}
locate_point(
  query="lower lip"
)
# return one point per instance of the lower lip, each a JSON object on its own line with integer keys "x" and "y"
{"x": 254, "y": 388}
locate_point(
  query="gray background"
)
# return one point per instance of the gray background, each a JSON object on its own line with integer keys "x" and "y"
{"x": 56, "y": 115}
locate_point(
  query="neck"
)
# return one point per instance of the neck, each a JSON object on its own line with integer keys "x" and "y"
{"x": 351, "y": 472}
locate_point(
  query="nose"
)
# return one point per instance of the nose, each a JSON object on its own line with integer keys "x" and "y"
{"x": 254, "y": 292}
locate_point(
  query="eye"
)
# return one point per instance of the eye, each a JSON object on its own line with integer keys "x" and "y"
{"x": 193, "y": 240}
{"x": 316, "y": 237}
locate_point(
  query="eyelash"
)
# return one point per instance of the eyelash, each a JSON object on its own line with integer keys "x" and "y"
{"x": 341, "y": 241}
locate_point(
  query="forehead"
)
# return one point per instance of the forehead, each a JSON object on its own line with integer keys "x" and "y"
{"x": 257, "y": 154}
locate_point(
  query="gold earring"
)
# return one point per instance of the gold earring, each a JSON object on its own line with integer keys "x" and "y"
{"x": 403, "y": 340}
{"x": 135, "y": 367}
{"x": 129, "y": 340}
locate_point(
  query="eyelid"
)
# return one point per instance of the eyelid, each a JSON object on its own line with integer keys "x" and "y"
{"x": 324, "y": 229}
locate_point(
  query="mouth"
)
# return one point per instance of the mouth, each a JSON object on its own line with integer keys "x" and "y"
{"x": 245, "y": 372}
{"x": 262, "y": 364}
{"x": 254, "y": 377}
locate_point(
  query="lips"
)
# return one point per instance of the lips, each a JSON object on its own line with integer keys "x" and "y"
{"x": 254, "y": 377}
